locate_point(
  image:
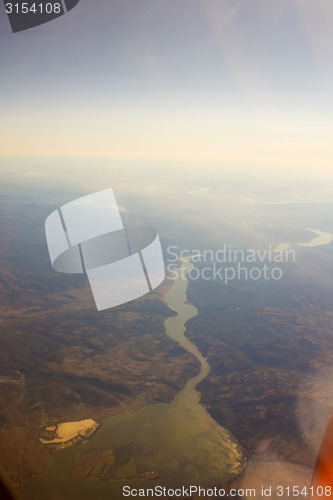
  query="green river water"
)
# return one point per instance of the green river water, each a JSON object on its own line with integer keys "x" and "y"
{"x": 177, "y": 440}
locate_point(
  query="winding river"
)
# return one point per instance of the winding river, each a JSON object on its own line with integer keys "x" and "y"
{"x": 180, "y": 441}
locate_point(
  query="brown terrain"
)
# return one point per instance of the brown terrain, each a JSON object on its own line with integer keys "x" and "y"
{"x": 271, "y": 358}
{"x": 63, "y": 361}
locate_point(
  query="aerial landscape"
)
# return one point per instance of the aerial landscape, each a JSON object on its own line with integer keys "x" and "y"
{"x": 264, "y": 348}
{"x": 211, "y": 122}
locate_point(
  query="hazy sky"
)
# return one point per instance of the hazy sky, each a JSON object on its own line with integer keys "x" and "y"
{"x": 215, "y": 83}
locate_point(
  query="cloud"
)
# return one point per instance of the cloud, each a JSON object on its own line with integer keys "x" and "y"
{"x": 268, "y": 471}
{"x": 315, "y": 405}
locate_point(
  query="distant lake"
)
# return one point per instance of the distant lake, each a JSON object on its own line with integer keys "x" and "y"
{"x": 321, "y": 238}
